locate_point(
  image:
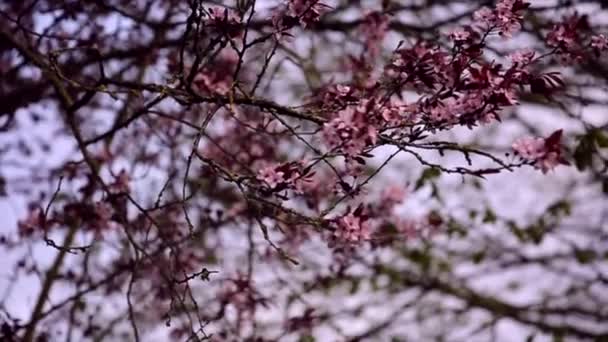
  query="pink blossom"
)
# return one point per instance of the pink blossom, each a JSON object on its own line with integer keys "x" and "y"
{"x": 459, "y": 34}
{"x": 522, "y": 57}
{"x": 567, "y": 38}
{"x": 484, "y": 15}
{"x": 374, "y": 28}
{"x": 121, "y": 183}
{"x": 103, "y": 212}
{"x": 599, "y": 42}
{"x": 411, "y": 229}
{"x": 285, "y": 176}
{"x": 216, "y": 77}
{"x": 350, "y": 131}
{"x": 352, "y": 229}
{"x": 545, "y": 154}
{"x": 562, "y": 37}
{"x": 394, "y": 111}
{"x": 506, "y": 17}
{"x": 529, "y": 148}
{"x": 548, "y": 162}
{"x": 444, "y": 112}
{"x": 307, "y": 11}
{"x": 392, "y": 196}
{"x": 225, "y": 21}
{"x": 33, "y": 222}
{"x": 271, "y": 176}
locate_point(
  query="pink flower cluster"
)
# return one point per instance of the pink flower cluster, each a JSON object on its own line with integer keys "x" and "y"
{"x": 481, "y": 94}
{"x": 216, "y": 77}
{"x": 374, "y": 28}
{"x": 335, "y": 97}
{"x": 304, "y": 12}
{"x": 225, "y": 21}
{"x": 353, "y": 228}
{"x": 241, "y": 293}
{"x": 284, "y": 176}
{"x": 33, "y": 222}
{"x": 351, "y": 131}
{"x": 390, "y": 197}
{"x": 566, "y": 38}
{"x": 599, "y": 44}
{"x": 572, "y": 39}
{"x": 545, "y": 154}
{"x": 522, "y": 57}
{"x": 423, "y": 65}
{"x": 506, "y": 17}
{"x": 121, "y": 183}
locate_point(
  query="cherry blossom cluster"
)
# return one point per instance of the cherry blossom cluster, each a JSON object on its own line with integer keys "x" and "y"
{"x": 241, "y": 293}
{"x": 353, "y": 227}
{"x": 572, "y": 39}
{"x": 217, "y": 76}
{"x": 225, "y": 22}
{"x": 374, "y": 28}
{"x": 505, "y": 18}
{"x": 292, "y": 175}
{"x": 352, "y": 130}
{"x": 544, "y": 153}
{"x": 424, "y": 65}
{"x": 298, "y": 12}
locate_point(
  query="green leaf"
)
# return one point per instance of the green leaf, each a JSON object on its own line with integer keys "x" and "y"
{"x": 584, "y": 256}
{"x": 518, "y": 232}
{"x": 489, "y": 216}
{"x": 307, "y": 338}
{"x": 454, "y": 227}
{"x": 478, "y": 257}
{"x": 601, "y": 138}
{"x": 427, "y": 175}
{"x": 558, "y": 337}
{"x": 560, "y": 207}
{"x": 583, "y": 154}
{"x": 2, "y": 187}
{"x": 354, "y": 285}
{"x": 536, "y": 232}
{"x": 421, "y": 258}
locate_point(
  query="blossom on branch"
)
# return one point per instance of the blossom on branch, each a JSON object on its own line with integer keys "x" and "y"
{"x": 544, "y": 153}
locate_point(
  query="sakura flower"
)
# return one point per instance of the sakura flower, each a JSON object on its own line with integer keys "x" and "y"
{"x": 506, "y": 17}
{"x": 103, "y": 216}
{"x": 225, "y": 22}
{"x": 529, "y": 148}
{"x": 394, "y": 111}
{"x": 307, "y": 11}
{"x": 484, "y": 15}
{"x": 567, "y": 38}
{"x": 599, "y": 42}
{"x": 350, "y": 132}
{"x": 121, "y": 183}
{"x": 390, "y": 197}
{"x": 545, "y": 154}
{"x": 562, "y": 37}
{"x": 353, "y": 228}
{"x": 286, "y": 176}
{"x": 373, "y": 29}
{"x": 32, "y": 222}
{"x": 459, "y": 35}
{"x": 271, "y": 176}
{"x": 410, "y": 229}
{"x": 394, "y": 193}
{"x": 522, "y": 57}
